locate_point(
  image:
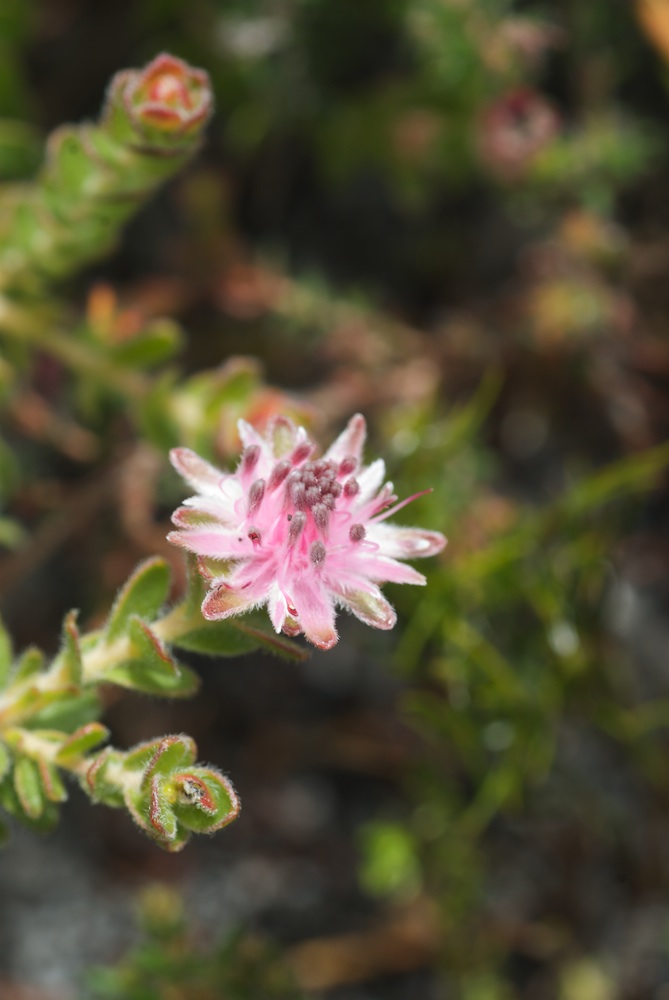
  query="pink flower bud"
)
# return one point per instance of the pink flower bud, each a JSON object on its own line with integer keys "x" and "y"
{"x": 167, "y": 97}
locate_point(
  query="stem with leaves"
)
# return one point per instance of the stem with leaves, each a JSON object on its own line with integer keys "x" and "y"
{"x": 48, "y": 714}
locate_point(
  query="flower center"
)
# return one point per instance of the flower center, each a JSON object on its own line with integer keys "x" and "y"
{"x": 314, "y": 485}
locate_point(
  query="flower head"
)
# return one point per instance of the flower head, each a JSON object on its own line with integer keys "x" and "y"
{"x": 299, "y": 534}
{"x": 167, "y": 99}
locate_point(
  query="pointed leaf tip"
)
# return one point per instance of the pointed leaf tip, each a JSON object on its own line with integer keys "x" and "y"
{"x": 142, "y": 596}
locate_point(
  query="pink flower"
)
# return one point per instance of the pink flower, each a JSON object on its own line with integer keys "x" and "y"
{"x": 298, "y": 534}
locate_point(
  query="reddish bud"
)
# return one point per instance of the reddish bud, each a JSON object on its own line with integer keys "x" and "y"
{"x": 167, "y": 96}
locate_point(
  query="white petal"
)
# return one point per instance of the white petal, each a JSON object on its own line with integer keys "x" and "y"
{"x": 198, "y": 473}
{"x": 277, "y": 607}
{"x": 370, "y": 480}
{"x": 248, "y": 435}
{"x": 399, "y": 542}
{"x": 350, "y": 442}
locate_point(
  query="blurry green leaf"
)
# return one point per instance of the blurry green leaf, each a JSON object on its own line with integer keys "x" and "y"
{"x": 499, "y": 788}
{"x": 28, "y": 787}
{"x": 6, "y": 656}
{"x": 30, "y": 663}
{"x": 390, "y": 864}
{"x": 21, "y": 148}
{"x": 52, "y": 783}
{"x": 9, "y": 477}
{"x": 217, "y": 639}
{"x": 153, "y": 346}
{"x": 461, "y": 426}
{"x": 586, "y": 979}
{"x": 81, "y": 742}
{"x": 628, "y": 475}
{"x": 69, "y": 658}
{"x": 68, "y": 712}
{"x": 265, "y": 637}
{"x": 12, "y": 534}
{"x": 157, "y": 422}
{"x": 5, "y": 761}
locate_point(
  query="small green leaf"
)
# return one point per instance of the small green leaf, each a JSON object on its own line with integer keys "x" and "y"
{"x": 69, "y": 658}
{"x": 152, "y": 669}
{"x": 217, "y": 639}
{"x": 160, "y": 814}
{"x": 206, "y": 800}
{"x": 267, "y": 639}
{"x": 152, "y": 811}
{"x": 28, "y": 787}
{"x": 5, "y": 761}
{"x": 155, "y": 413}
{"x": 153, "y": 346}
{"x": 81, "y": 742}
{"x": 34, "y": 704}
{"x": 52, "y": 783}
{"x": 96, "y": 782}
{"x": 625, "y": 476}
{"x": 67, "y": 712}
{"x": 390, "y": 866}
{"x": 142, "y": 596}
{"x": 172, "y": 753}
{"x": 30, "y": 663}
{"x": 139, "y": 757}
{"x": 11, "y": 533}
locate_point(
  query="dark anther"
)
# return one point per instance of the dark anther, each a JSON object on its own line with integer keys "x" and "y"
{"x": 357, "y": 532}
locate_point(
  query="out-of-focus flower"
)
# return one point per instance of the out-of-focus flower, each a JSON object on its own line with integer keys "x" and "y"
{"x": 530, "y": 39}
{"x": 298, "y": 534}
{"x": 168, "y": 97}
{"x": 514, "y": 130}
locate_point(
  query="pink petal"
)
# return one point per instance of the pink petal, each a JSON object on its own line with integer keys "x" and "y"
{"x": 215, "y": 544}
{"x": 369, "y": 605}
{"x": 249, "y": 435}
{"x": 315, "y": 611}
{"x": 282, "y": 435}
{"x": 201, "y": 475}
{"x": 350, "y": 442}
{"x": 302, "y": 448}
{"x": 399, "y": 542}
{"x": 384, "y": 570}
{"x": 191, "y": 517}
{"x": 206, "y": 508}
{"x": 225, "y": 601}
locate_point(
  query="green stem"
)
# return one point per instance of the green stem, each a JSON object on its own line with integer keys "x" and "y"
{"x": 97, "y": 175}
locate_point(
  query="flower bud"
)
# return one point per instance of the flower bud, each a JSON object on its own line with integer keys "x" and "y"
{"x": 167, "y": 101}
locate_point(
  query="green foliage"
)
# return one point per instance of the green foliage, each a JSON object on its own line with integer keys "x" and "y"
{"x": 502, "y": 653}
{"x": 165, "y": 793}
{"x": 48, "y": 715}
{"x": 173, "y": 962}
{"x": 95, "y": 177}
{"x": 414, "y": 126}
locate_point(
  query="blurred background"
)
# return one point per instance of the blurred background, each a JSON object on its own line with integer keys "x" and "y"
{"x": 453, "y": 216}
